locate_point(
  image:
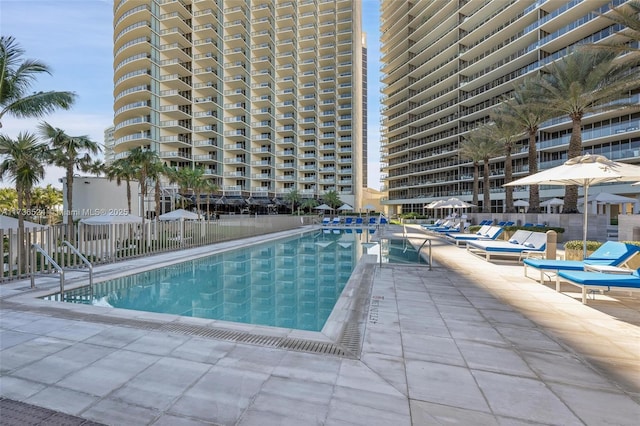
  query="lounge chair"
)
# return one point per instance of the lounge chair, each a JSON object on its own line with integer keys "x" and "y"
{"x": 358, "y": 221}
{"x": 592, "y": 281}
{"x": 326, "y": 221}
{"x": 611, "y": 253}
{"x": 458, "y": 227}
{"x": 348, "y": 221}
{"x": 373, "y": 220}
{"x": 436, "y": 224}
{"x": 490, "y": 233}
{"x": 521, "y": 243}
{"x": 383, "y": 220}
{"x": 335, "y": 221}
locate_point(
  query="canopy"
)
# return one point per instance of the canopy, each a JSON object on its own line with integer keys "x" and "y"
{"x": 585, "y": 170}
{"x": 552, "y": 202}
{"x": 368, "y": 207}
{"x": 455, "y": 203}
{"x": 323, "y": 207}
{"x": 111, "y": 219}
{"x": 434, "y": 204}
{"x": 179, "y": 214}
{"x": 7, "y": 222}
{"x": 521, "y": 203}
{"x": 345, "y": 207}
{"x": 607, "y": 198}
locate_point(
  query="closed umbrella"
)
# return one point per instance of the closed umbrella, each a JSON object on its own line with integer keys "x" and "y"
{"x": 585, "y": 171}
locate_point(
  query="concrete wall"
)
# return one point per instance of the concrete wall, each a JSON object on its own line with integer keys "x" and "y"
{"x": 93, "y": 196}
{"x": 629, "y": 227}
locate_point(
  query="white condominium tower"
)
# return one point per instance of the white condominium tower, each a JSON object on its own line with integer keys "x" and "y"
{"x": 446, "y": 64}
{"x": 265, "y": 95}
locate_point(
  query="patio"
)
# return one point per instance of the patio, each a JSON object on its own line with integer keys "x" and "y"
{"x": 470, "y": 342}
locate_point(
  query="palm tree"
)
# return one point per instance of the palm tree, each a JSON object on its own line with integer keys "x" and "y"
{"x": 293, "y": 197}
{"x": 527, "y": 108}
{"x": 480, "y": 144}
{"x": 309, "y": 203}
{"x": 23, "y": 163}
{"x": 16, "y": 78}
{"x": 505, "y": 132}
{"x": 470, "y": 149}
{"x": 196, "y": 183}
{"x": 45, "y": 199}
{"x": 627, "y": 15}
{"x": 585, "y": 82}
{"x": 209, "y": 187}
{"x": 122, "y": 169}
{"x": 143, "y": 162}
{"x": 71, "y": 153}
{"x": 332, "y": 199}
{"x": 8, "y": 200}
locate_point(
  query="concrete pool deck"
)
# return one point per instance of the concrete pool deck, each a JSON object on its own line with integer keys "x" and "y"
{"x": 469, "y": 342}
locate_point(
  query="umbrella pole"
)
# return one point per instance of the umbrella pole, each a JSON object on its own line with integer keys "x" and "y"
{"x": 584, "y": 231}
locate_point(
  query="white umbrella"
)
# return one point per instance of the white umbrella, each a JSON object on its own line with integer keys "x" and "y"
{"x": 434, "y": 204}
{"x": 179, "y": 214}
{"x": 345, "y": 207}
{"x": 585, "y": 170}
{"x": 455, "y": 203}
{"x": 369, "y": 207}
{"x": 635, "y": 184}
{"x": 521, "y": 203}
{"x": 323, "y": 207}
{"x": 111, "y": 219}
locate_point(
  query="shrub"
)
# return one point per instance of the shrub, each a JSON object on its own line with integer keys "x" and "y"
{"x": 513, "y": 228}
{"x": 579, "y": 244}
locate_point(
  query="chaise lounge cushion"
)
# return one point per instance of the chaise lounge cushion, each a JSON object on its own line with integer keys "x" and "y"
{"x": 602, "y": 279}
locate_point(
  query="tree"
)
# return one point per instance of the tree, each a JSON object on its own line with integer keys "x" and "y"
{"x": 22, "y": 162}
{"x": 627, "y": 15}
{"x": 16, "y": 78}
{"x": 332, "y": 199}
{"x": 143, "y": 163}
{"x": 526, "y": 107}
{"x": 293, "y": 197}
{"x": 479, "y": 144}
{"x": 8, "y": 201}
{"x": 309, "y": 203}
{"x": 470, "y": 149}
{"x": 505, "y": 131}
{"x": 71, "y": 153}
{"x": 122, "y": 169}
{"x": 45, "y": 199}
{"x": 197, "y": 184}
{"x": 585, "y": 82}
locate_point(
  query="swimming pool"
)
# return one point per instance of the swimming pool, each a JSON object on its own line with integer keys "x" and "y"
{"x": 293, "y": 283}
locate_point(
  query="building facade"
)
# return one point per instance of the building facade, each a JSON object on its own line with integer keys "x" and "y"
{"x": 109, "y": 142}
{"x": 446, "y": 64}
{"x": 264, "y": 95}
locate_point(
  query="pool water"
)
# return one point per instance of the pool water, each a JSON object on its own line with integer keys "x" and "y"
{"x": 292, "y": 283}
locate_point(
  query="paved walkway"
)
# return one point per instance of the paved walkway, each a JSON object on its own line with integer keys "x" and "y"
{"x": 469, "y": 342}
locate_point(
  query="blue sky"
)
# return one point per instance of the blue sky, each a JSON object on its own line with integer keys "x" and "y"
{"x": 74, "y": 37}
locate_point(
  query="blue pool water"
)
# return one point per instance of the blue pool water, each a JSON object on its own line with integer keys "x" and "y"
{"x": 293, "y": 283}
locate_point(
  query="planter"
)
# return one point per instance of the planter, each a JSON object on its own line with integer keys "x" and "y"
{"x": 574, "y": 254}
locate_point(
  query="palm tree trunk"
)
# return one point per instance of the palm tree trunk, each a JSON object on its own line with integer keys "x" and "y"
{"x": 486, "y": 203}
{"x": 534, "y": 190}
{"x": 157, "y": 197}
{"x": 129, "y": 196}
{"x": 23, "y": 250}
{"x": 476, "y": 183}
{"x": 575, "y": 150}
{"x": 70, "y": 204}
{"x": 508, "y": 177}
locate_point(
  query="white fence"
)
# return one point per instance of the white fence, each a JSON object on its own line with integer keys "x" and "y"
{"x": 110, "y": 243}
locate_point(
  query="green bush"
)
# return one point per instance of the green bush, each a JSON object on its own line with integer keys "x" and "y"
{"x": 579, "y": 244}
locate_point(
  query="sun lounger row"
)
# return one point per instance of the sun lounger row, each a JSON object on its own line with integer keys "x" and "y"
{"x": 485, "y": 233}
{"x": 348, "y": 221}
{"x": 613, "y": 266}
{"x": 521, "y": 242}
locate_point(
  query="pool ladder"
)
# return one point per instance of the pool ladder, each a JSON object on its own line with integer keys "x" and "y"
{"x": 60, "y": 270}
{"x": 428, "y": 240}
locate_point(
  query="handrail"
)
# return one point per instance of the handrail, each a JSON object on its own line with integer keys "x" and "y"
{"x": 84, "y": 260}
{"x": 420, "y": 249}
{"x": 36, "y": 247}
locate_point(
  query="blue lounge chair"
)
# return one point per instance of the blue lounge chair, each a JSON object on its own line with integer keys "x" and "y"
{"x": 358, "y": 221}
{"x": 326, "y": 221}
{"x": 383, "y": 220}
{"x": 373, "y": 220}
{"x": 485, "y": 233}
{"x": 592, "y": 281}
{"x": 528, "y": 225}
{"x": 611, "y": 253}
{"x": 436, "y": 224}
{"x": 520, "y": 243}
{"x": 335, "y": 221}
{"x": 348, "y": 221}
{"x": 458, "y": 227}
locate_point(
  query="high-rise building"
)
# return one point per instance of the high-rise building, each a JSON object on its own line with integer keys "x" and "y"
{"x": 109, "y": 143}
{"x": 446, "y": 64}
{"x": 264, "y": 95}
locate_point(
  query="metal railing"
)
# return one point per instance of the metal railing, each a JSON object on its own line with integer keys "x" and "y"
{"x": 84, "y": 260}
{"x": 36, "y": 248}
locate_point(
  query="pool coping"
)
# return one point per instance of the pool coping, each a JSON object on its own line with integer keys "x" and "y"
{"x": 341, "y": 335}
